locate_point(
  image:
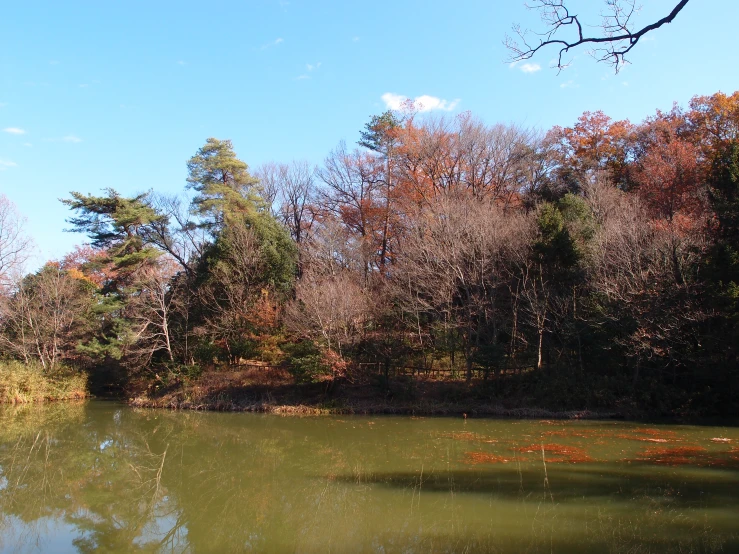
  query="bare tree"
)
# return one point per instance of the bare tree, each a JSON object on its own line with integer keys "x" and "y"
{"x": 351, "y": 193}
{"x": 331, "y": 308}
{"x": 15, "y": 246}
{"x": 150, "y": 310}
{"x": 295, "y": 194}
{"x": 618, "y": 39}
{"x": 45, "y": 317}
{"x": 176, "y": 233}
{"x": 645, "y": 272}
{"x": 452, "y": 267}
{"x": 331, "y": 248}
{"x": 269, "y": 184}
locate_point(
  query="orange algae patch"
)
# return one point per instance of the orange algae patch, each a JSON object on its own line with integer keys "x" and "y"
{"x": 579, "y": 433}
{"x": 475, "y": 458}
{"x": 562, "y": 433}
{"x": 560, "y": 452}
{"x": 676, "y": 456}
{"x": 658, "y": 432}
{"x": 690, "y": 455}
{"x": 650, "y": 435}
{"x": 468, "y": 436}
{"x": 642, "y": 439}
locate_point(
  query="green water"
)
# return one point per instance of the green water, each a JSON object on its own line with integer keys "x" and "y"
{"x": 101, "y": 477}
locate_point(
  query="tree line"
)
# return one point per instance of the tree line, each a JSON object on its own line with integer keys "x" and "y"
{"x": 607, "y": 249}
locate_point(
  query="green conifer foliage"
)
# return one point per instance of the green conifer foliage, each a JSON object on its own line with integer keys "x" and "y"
{"x": 117, "y": 224}
{"x": 223, "y": 183}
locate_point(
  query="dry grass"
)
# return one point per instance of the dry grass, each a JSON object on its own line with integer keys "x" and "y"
{"x": 21, "y": 383}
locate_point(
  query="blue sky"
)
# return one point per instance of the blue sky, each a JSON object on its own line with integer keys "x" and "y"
{"x": 121, "y": 94}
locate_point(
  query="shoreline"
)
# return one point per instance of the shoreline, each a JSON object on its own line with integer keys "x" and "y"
{"x": 278, "y": 393}
{"x": 409, "y": 410}
{"x": 364, "y": 409}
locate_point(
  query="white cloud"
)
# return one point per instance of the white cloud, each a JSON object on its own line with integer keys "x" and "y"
{"x": 3, "y": 104}
{"x": 27, "y": 144}
{"x": 84, "y": 85}
{"x": 14, "y": 131}
{"x": 423, "y": 103}
{"x": 526, "y": 67}
{"x": 181, "y": 62}
{"x": 5, "y": 164}
{"x": 530, "y": 67}
{"x": 311, "y": 66}
{"x": 275, "y": 42}
{"x": 71, "y": 138}
{"x": 302, "y": 77}
{"x": 355, "y": 39}
{"x": 569, "y": 84}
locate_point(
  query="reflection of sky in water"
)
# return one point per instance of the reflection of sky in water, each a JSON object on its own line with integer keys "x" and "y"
{"x": 160, "y": 530}
{"x": 55, "y": 535}
{"x": 44, "y": 535}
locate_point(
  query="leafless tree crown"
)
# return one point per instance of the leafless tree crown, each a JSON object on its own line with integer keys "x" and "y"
{"x": 15, "y": 246}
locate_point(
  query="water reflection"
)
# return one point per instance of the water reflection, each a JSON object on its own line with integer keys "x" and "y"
{"x": 100, "y": 477}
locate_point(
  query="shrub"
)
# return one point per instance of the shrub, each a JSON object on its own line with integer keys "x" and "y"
{"x": 21, "y": 383}
{"x": 305, "y": 361}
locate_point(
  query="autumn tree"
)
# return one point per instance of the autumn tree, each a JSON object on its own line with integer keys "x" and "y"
{"x": 668, "y": 177}
{"x": 714, "y": 122}
{"x": 351, "y": 192}
{"x": 440, "y": 156}
{"x": 595, "y": 143}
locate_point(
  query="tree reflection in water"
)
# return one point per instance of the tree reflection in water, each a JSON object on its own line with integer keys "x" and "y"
{"x": 121, "y": 480}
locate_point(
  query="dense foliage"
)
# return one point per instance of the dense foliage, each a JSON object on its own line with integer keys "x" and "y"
{"x": 599, "y": 259}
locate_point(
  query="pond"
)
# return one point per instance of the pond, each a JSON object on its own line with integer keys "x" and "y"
{"x": 102, "y": 477}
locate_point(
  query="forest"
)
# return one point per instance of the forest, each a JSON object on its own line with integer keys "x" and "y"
{"x": 592, "y": 266}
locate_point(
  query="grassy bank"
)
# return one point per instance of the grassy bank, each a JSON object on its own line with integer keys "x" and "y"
{"x": 23, "y": 383}
{"x": 276, "y": 392}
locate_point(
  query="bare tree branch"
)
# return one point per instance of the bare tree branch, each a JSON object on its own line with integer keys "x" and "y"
{"x": 619, "y": 36}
